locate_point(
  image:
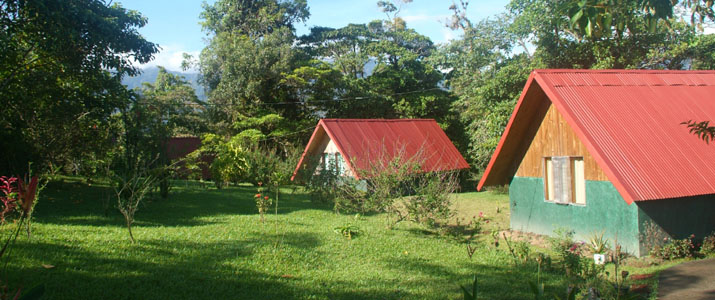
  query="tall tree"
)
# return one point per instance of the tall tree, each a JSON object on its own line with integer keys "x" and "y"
{"x": 248, "y": 56}
{"x": 167, "y": 108}
{"x": 379, "y": 70}
{"x": 61, "y": 63}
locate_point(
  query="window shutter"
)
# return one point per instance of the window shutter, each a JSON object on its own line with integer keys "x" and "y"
{"x": 562, "y": 179}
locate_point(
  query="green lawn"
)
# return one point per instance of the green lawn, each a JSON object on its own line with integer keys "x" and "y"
{"x": 209, "y": 244}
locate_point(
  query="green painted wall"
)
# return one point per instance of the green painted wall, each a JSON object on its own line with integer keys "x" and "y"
{"x": 605, "y": 210}
{"x": 677, "y": 218}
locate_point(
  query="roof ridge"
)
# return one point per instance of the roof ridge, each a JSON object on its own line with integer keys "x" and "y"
{"x": 616, "y": 71}
{"x": 375, "y": 120}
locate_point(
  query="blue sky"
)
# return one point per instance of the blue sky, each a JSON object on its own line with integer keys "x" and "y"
{"x": 174, "y": 25}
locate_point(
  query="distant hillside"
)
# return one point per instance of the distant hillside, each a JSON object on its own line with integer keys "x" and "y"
{"x": 149, "y": 75}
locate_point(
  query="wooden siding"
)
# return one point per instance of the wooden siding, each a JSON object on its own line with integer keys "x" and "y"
{"x": 556, "y": 138}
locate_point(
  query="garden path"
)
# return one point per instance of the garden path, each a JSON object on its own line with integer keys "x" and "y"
{"x": 692, "y": 280}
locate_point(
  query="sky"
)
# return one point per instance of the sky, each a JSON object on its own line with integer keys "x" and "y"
{"x": 174, "y": 24}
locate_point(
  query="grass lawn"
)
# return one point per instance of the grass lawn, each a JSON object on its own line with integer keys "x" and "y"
{"x": 209, "y": 244}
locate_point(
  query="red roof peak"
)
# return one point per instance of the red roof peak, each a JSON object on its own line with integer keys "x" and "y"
{"x": 377, "y": 120}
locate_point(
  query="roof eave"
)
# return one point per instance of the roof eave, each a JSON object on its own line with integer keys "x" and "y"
{"x": 488, "y": 171}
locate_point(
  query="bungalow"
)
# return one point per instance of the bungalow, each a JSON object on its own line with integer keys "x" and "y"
{"x": 606, "y": 150}
{"x": 356, "y": 145}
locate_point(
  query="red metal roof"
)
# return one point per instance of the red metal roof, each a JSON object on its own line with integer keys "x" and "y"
{"x": 363, "y": 142}
{"x": 630, "y": 121}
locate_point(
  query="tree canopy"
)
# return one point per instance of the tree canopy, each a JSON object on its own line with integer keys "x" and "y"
{"x": 62, "y": 62}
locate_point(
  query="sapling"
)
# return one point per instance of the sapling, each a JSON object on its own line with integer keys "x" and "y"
{"x": 131, "y": 188}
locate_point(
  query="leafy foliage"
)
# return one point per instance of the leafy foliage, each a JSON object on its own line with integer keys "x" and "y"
{"x": 62, "y": 62}
{"x": 347, "y": 230}
{"x": 676, "y": 248}
{"x": 131, "y": 186}
{"x": 247, "y": 59}
{"x": 702, "y": 130}
{"x": 488, "y": 67}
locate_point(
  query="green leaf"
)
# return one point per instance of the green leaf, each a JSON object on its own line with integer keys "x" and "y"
{"x": 576, "y": 17}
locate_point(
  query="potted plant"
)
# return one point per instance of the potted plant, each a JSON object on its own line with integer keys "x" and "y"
{"x": 599, "y": 245}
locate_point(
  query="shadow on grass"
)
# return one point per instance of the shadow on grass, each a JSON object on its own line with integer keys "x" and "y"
{"x": 76, "y": 203}
{"x": 493, "y": 281}
{"x": 158, "y": 269}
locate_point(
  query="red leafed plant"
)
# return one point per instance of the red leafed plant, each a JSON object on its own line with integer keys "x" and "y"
{"x": 27, "y": 194}
{"x": 16, "y": 192}
{"x": 8, "y": 197}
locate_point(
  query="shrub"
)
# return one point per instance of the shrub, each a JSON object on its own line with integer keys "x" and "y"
{"x": 131, "y": 187}
{"x": 676, "y": 248}
{"x": 567, "y": 250}
{"x": 708, "y": 246}
{"x": 385, "y": 188}
{"x": 347, "y": 230}
{"x": 598, "y": 243}
{"x": 432, "y": 202}
{"x": 323, "y": 186}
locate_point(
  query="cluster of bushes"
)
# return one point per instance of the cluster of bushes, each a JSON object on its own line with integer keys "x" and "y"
{"x": 396, "y": 187}
{"x": 241, "y": 159}
{"x": 684, "y": 248}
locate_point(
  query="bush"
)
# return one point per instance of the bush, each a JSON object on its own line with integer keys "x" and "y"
{"x": 677, "y": 248}
{"x": 708, "y": 246}
{"x": 323, "y": 186}
{"x": 567, "y": 250}
{"x": 385, "y": 189}
{"x": 432, "y": 202}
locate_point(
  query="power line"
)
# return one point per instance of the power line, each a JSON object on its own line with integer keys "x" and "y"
{"x": 287, "y": 134}
{"x": 316, "y": 100}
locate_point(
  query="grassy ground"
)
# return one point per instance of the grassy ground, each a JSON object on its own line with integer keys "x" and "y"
{"x": 209, "y": 244}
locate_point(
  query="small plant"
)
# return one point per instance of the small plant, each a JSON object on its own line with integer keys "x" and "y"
{"x": 347, "y": 230}
{"x": 131, "y": 189}
{"x": 523, "y": 251}
{"x": 470, "y": 295}
{"x": 520, "y": 251}
{"x": 708, "y": 246}
{"x": 598, "y": 243}
{"x": 653, "y": 236}
{"x": 263, "y": 202}
{"x": 470, "y": 250}
{"x": 495, "y": 237}
{"x": 17, "y": 197}
{"x": 567, "y": 250}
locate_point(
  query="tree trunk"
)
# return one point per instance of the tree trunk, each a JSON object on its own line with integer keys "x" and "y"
{"x": 129, "y": 227}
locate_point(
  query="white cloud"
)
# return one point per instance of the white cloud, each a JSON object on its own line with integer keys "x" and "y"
{"x": 170, "y": 57}
{"x": 448, "y": 34}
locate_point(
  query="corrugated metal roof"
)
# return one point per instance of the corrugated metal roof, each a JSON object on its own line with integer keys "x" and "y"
{"x": 367, "y": 143}
{"x": 630, "y": 121}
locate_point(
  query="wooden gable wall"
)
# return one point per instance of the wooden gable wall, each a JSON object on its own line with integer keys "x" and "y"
{"x": 556, "y": 138}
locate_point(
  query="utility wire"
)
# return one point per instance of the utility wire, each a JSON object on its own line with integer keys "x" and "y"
{"x": 311, "y": 101}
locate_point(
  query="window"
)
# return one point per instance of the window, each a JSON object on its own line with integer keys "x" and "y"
{"x": 564, "y": 180}
{"x": 333, "y": 161}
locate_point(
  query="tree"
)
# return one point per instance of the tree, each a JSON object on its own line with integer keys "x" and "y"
{"x": 597, "y": 18}
{"x": 249, "y": 54}
{"x": 167, "y": 108}
{"x": 377, "y": 70}
{"x": 60, "y": 68}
